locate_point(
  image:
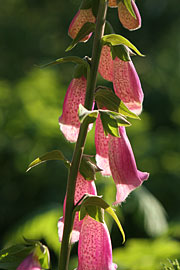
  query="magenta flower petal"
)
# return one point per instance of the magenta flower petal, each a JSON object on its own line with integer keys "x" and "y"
{"x": 30, "y": 263}
{"x": 127, "y": 20}
{"x": 101, "y": 143}
{"x": 106, "y": 64}
{"x": 82, "y": 186}
{"x": 127, "y": 85}
{"x": 81, "y": 17}
{"x": 94, "y": 249}
{"x": 69, "y": 120}
{"x": 123, "y": 166}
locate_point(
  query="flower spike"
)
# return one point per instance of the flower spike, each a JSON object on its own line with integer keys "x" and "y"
{"x": 127, "y": 20}
{"x": 94, "y": 249}
{"x": 81, "y": 17}
{"x": 82, "y": 186}
{"x": 123, "y": 166}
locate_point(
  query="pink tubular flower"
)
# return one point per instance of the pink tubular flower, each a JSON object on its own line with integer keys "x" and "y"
{"x": 30, "y": 263}
{"x": 81, "y": 17}
{"x": 127, "y": 85}
{"x": 106, "y": 64}
{"x": 127, "y": 20}
{"x": 94, "y": 249}
{"x": 119, "y": 161}
{"x": 102, "y": 146}
{"x": 123, "y": 166}
{"x": 69, "y": 121}
{"x": 82, "y": 186}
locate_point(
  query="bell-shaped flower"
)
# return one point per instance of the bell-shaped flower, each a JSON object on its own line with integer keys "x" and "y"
{"x": 82, "y": 186}
{"x": 102, "y": 148}
{"x": 31, "y": 262}
{"x": 114, "y": 155}
{"x": 94, "y": 248}
{"x": 81, "y": 17}
{"x": 106, "y": 64}
{"x": 123, "y": 166}
{"x": 126, "y": 82}
{"x": 125, "y": 17}
{"x": 127, "y": 85}
{"x": 69, "y": 120}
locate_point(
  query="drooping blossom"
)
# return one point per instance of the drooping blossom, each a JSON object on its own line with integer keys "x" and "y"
{"x": 118, "y": 159}
{"x": 69, "y": 120}
{"x": 126, "y": 83}
{"x": 82, "y": 186}
{"x": 30, "y": 263}
{"x": 125, "y": 17}
{"x": 94, "y": 248}
{"x": 81, "y": 17}
{"x": 128, "y": 21}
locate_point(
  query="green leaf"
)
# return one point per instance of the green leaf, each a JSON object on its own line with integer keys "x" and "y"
{"x": 111, "y": 121}
{"x": 73, "y": 59}
{"x": 98, "y": 201}
{"x": 114, "y": 40}
{"x": 88, "y": 167}
{"x": 53, "y": 155}
{"x": 90, "y": 116}
{"x": 11, "y": 257}
{"x": 129, "y": 7}
{"x": 108, "y": 28}
{"x": 121, "y": 52}
{"x": 106, "y": 98}
{"x": 85, "y": 30}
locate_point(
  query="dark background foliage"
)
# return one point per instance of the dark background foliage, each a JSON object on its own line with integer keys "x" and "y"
{"x": 35, "y": 32}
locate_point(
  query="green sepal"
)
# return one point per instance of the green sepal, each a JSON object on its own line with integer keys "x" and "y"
{"x": 129, "y": 7}
{"x": 114, "y": 40}
{"x": 106, "y": 98}
{"x": 67, "y": 59}
{"x": 91, "y": 200}
{"x": 79, "y": 71}
{"x": 13, "y": 256}
{"x": 85, "y": 30}
{"x": 111, "y": 121}
{"x": 90, "y": 116}
{"x": 53, "y": 155}
{"x": 88, "y": 168}
{"x": 121, "y": 52}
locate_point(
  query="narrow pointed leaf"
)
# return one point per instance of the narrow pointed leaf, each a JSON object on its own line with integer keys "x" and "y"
{"x": 53, "y": 155}
{"x": 86, "y": 29}
{"x": 114, "y": 39}
{"x": 95, "y": 212}
{"x": 83, "y": 113}
{"x": 129, "y": 7}
{"x": 121, "y": 52}
{"x": 73, "y": 59}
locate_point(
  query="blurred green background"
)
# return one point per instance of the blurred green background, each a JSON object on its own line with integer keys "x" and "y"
{"x": 34, "y": 32}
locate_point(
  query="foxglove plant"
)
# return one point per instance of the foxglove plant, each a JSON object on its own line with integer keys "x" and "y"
{"x": 83, "y": 210}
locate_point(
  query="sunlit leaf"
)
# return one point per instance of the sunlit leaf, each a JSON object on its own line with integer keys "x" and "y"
{"x": 114, "y": 40}
{"x": 129, "y": 7}
{"x": 53, "y": 155}
{"x": 90, "y": 116}
{"x": 67, "y": 59}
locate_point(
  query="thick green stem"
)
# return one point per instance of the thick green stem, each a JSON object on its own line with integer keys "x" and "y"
{"x": 79, "y": 148}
